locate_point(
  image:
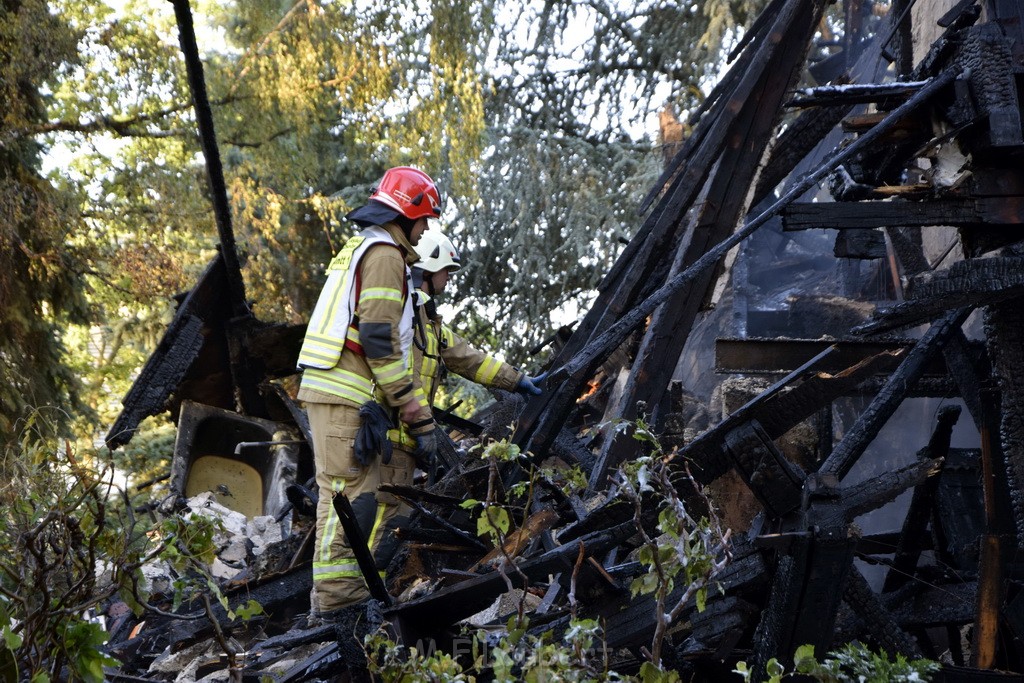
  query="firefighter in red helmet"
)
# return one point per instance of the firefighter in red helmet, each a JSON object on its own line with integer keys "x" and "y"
{"x": 357, "y": 357}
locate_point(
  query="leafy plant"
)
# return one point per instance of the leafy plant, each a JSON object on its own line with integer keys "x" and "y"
{"x": 853, "y": 662}
{"x": 59, "y": 530}
{"x": 688, "y": 552}
{"x": 516, "y": 655}
{"x": 70, "y": 543}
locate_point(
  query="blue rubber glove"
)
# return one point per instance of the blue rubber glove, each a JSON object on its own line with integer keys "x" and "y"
{"x": 531, "y": 385}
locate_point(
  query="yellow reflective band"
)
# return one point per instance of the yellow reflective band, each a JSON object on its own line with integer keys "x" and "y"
{"x": 431, "y": 342}
{"x": 376, "y": 525}
{"x": 319, "y": 355}
{"x": 380, "y": 294}
{"x": 402, "y": 437}
{"x": 343, "y": 377}
{"x": 487, "y": 371}
{"x": 322, "y": 339}
{"x": 329, "y": 385}
{"x": 421, "y": 397}
{"x": 429, "y": 370}
{"x": 344, "y": 574}
{"x": 331, "y": 525}
{"x": 392, "y": 372}
{"x": 322, "y": 569}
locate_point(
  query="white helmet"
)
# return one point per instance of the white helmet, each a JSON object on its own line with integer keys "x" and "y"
{"x": 437, "y": 253}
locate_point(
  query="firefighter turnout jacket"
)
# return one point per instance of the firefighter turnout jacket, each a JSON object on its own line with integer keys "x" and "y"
{"x": 358, "y": 344}
{"x": 437, "y": 350}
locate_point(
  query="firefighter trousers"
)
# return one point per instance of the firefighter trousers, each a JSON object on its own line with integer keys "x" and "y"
{"x": 337, "y": 579}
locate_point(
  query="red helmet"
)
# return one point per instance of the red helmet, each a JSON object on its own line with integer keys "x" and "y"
{"x": 409, "y": 191}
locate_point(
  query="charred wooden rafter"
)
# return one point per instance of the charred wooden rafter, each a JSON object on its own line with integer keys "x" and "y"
{"x": 875, "y": 214}
{"x": 973, "y": 283}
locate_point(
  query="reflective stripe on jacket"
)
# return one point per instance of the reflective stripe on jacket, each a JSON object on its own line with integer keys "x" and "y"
{"x": 359, "y": 336}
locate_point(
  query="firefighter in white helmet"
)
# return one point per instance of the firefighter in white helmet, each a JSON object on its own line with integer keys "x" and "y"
{"x": 440, "y": 348}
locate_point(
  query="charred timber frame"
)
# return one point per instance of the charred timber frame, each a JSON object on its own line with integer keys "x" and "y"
{"x": 989, "y": 211}
{"x": 882, "y": 407}
{"x": 538, "y": 428}
{"x": 759, "y": 98}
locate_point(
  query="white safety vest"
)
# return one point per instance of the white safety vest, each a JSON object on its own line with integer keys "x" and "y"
{"x": 329, "y": 325}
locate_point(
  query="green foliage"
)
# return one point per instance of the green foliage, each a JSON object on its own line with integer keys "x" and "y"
{"x": 571, "y": 480}
{"x": 312, "y": 101}
{"x": 688, "y": 552}
{"x": 190, "y": 547}
{"x": 66, "y": 548}
{"x": 517, "y": 655}
{"x": 853, "y": 662}
{"x": 69, "y": 544}
{"x": 502, "y": 450}
{"x": 148, "y": 455}
{"x": 40, "y": 279}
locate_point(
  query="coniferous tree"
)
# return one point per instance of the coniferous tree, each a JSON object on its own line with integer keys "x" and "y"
{"x": 41, "y": 286}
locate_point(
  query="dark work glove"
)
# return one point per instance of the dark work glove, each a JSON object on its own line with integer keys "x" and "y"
{"x": 372, "y": 436}
{"x": 426, "y": 450}
{"x": 531, "y": 385}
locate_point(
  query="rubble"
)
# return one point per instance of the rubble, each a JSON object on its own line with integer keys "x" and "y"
{"x": 844, "y": 527}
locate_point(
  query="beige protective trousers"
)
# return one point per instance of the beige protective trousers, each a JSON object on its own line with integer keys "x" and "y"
{"x": 337, "y": 580}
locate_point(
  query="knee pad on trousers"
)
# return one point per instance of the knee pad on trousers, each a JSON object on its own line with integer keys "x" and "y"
{"x": 365, "y": 509}
{"x": 389, "y": 542}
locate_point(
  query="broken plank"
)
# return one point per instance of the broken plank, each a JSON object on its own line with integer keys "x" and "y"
{"x": 913, "y": 535}
{"x": 773, "y": 356}
{"x": 874, "y": 493}
{"x": 516, "y": 541}
{"x": 854, "y": 93}
{"x": 774, "y": 480}
{"x": 885, "y": 403}
{"x": 780, "y": 407}
{"x": 971, "y": 283}
{"x": 451, "y": 604}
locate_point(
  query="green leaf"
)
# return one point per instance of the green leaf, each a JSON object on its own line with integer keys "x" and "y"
{"x": 773, "y": 668}
{"x": 11, "y": 639}
{"x": 702, "y": 598}
{"x": 249, "y": 610}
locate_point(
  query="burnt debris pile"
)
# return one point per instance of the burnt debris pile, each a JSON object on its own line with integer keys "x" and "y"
{"x": 820, "y": 320}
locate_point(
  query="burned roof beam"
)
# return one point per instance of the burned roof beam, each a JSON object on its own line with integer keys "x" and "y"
{"x": 854, "y": 93}
{"x": 874, "y": 493}
{"x": 760, "y": 97}
{"x": 878, "y": 620}
{"x": 214, "y": 169}
{"x": 972, "y": 283}
{"x": 784, "y": 404}
{"x": 912, "y": 536}
{"x": 907, "y": 248}
{"x": 990, "y": 211}
{"x": 806, "y": 591}
{"x": 772, "y": 356}
{"x": 569, "y": 377}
